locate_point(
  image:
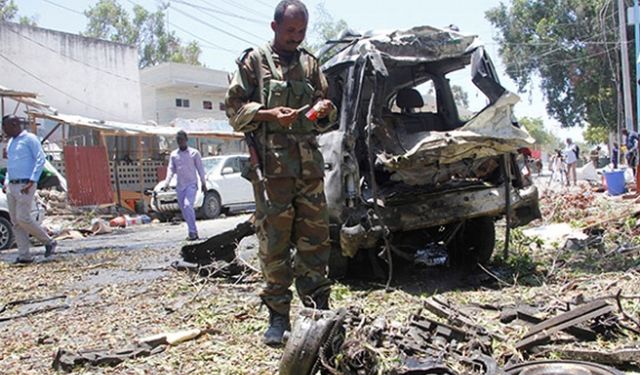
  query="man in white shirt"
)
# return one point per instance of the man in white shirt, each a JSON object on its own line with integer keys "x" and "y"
{"x": 185, "y": 163}
{"x": 571, "y": 160}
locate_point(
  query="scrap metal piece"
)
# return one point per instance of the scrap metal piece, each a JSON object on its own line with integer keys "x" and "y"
{"x": 422, "y": 366}
{"x": 311, "y": 331}
{"x": 509, "y": 315}
{"x": 65, "y": 360}
{"x": 561, "y": 367}
{"x": 445, "y": 310}
{"x": 580, "y": 314}
{"x": 219, "y": 247}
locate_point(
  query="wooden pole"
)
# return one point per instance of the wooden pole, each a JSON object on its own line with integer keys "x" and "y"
{"x": 140, "y": 150}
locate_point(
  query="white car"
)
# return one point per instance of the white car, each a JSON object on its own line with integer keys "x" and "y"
{"x": 7, "y": 237}
{"x": 227, "y": 189}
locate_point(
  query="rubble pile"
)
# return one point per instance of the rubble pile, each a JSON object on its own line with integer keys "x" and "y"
{"x": 441, "y": 338}
{"x": 563, "y": 207}
{"x": 55, "y": 202}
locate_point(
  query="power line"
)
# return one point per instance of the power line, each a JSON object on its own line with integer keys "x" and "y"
{"x": 241, "y": 8}
{"x": 219, "y": 11}
{"x": 32, "y": 75}
{"x": 202, "y": 39}
{"x": 208, "y": 10}
{"x": 270, "y": 6}
{"x": 64, "y": 7}
{"x": 213, "y": 26}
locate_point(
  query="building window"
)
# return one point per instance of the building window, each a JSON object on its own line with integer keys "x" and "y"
{"x": 182, "y": 103}
{"x": 222, "y": 106}
{"x": 206, "y": 104}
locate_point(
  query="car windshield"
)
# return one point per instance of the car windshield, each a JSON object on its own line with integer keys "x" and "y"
{"x": 210, "y": 164}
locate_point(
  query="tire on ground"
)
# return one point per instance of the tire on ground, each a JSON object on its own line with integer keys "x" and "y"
{"x": 474, "y": 242}
{"x": 338, "y": 263}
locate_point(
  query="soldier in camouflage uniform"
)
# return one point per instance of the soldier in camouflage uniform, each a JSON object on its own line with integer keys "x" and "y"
{"x": 271, "y": 83}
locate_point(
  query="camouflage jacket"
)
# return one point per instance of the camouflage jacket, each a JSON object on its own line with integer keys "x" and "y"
{"x": 285, "y": 153}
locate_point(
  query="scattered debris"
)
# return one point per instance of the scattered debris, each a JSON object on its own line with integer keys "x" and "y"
{"x": 542, "y": 331}
{"x": 218, "y": 254}
{"x": 460, "y": 345}
{"x": 34, "y": 306}
{"x": 66, "y": 360}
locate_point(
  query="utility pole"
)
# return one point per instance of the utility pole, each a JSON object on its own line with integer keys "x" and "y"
{"x": 626, "y": 79}
{"x": 636, "y": 23}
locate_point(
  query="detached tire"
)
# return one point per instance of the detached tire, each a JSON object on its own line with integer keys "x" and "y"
{"x": 211, "y": 207}
{"x": 6, "y": 234}
{"x": 338, "y": 263}
{"x": 474, "y": 242}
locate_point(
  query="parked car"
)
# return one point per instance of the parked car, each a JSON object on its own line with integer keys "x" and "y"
{"x": 7, "y": 237}
{"x": 416, "y": 178}
{"x": 227, "y": 189}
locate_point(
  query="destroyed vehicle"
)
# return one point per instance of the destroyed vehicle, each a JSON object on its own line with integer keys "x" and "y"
{"x": 227, "y": 190}
{"x": 419, "y": 178}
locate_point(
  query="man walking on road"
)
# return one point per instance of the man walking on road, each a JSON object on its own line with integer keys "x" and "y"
{"x": 266, "y": 99}
{"x": 184, "y": 163}
{"x": 25, "y": 163}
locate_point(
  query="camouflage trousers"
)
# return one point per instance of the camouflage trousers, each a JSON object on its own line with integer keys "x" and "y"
{"x": 295, "y": 217}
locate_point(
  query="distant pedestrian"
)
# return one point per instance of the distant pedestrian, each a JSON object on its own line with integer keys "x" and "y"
{"x": 25, "y": 163}
{"x": 631, "y": 142}
{"x": 615, "y": 155}
{"x": 184, "y": 163}
{"x": 594, "y": 155}
{"x": 571, "y": 155}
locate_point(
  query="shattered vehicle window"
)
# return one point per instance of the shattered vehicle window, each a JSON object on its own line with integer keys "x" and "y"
{"x": 468, "y": 98}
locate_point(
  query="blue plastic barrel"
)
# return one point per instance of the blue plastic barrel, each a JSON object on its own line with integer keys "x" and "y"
{"x": 615, "y": 182}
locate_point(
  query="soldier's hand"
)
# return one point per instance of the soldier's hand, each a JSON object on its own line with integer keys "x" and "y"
{"x": 285, "y": 116}
{"x": 325, "y": 108}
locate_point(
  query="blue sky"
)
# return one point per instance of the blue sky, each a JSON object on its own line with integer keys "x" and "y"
{"x": 226, "y": 27}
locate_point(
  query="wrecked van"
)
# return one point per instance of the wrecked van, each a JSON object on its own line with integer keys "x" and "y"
{"x": 421, "y": 180}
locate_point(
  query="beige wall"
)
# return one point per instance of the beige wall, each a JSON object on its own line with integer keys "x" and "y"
{"x": 76, "y": 75}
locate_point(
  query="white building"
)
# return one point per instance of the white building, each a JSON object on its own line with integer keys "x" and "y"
{"x": 172, "y": 91}
{"x": 74, "y": 74}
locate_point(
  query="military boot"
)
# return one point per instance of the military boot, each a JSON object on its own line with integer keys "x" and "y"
{"x": 278, "y": 324}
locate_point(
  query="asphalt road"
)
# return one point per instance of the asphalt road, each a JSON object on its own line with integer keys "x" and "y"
{"x": 152, "y": 236}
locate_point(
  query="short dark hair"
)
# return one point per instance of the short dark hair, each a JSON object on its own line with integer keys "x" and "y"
{"x": 282, "y": 6}
{"x": 182, "y": 134}
{"x": 13, "y": 120}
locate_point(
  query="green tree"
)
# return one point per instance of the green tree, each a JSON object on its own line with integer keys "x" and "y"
{"x": 460, "y": 96}
{"x": 146, "y": 30}
{"x": 8, "y": 10}
{"x": 595, "y": 135}
{"x": 571, "y": 46}
{"x": 323, "y": 28}
{"x": 544, "y": 138}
